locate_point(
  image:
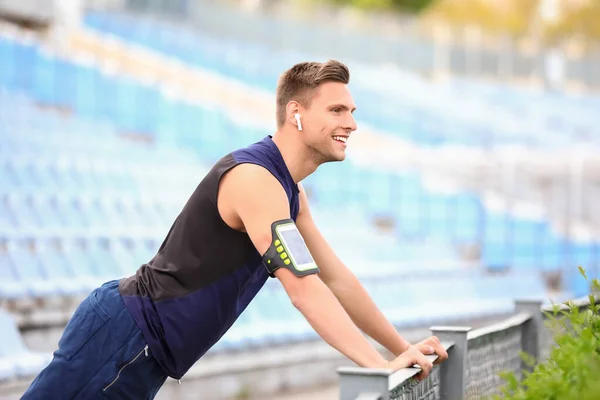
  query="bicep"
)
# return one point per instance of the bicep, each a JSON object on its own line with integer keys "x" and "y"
{"x": 258, "y": 200}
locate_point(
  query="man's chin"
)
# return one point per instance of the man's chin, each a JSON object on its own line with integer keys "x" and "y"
{"x": 337, "y": 158}
{"x": 341, "y": 156}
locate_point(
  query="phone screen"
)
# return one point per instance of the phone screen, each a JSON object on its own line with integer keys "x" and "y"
{"x": 296, "y": 246}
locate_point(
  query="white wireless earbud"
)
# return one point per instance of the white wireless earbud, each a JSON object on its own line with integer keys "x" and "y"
{"x": 297, "y": 116}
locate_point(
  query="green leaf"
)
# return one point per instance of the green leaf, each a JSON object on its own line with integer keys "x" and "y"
{"x": 582, "y": 272}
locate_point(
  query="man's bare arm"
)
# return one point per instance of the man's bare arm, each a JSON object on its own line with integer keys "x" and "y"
{"x": 346, "y": 287}
{"x": 257, "y": 210}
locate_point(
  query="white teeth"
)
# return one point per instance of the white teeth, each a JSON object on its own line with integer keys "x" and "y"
{"x": 340, "y": 138}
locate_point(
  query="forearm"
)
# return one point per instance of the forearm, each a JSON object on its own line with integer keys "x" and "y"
{"x": 329, "y": 319}
{"x": 366, "y": 315}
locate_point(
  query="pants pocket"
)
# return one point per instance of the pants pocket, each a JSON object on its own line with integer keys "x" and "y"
{"x": 87, "y": 320}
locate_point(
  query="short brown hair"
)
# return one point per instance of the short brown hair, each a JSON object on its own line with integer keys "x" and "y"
{"x": 298, "y": 83}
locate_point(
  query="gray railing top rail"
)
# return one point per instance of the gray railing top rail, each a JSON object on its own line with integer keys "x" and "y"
{"x": 508, "y": 323}
{"x": 369, "y": 396}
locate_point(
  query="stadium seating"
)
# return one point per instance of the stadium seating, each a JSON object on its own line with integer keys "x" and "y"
{"x": 486, "y": 115}
{"x": 91, "y": 186}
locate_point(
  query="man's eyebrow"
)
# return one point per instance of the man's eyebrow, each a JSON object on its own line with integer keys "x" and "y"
{"x": 342, "y": 106}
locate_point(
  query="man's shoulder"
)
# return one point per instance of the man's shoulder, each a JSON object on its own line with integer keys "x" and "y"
{"x": 250, "y": 174}
{"x": 253, "y": 152}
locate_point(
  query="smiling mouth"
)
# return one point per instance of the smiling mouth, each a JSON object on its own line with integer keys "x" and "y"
{"x": 342, "y": 139}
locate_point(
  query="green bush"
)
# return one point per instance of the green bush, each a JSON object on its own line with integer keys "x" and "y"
{"x": 572, "y": 370}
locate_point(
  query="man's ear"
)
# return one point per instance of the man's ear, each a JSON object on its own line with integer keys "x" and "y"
{"x": 293, "y": 109}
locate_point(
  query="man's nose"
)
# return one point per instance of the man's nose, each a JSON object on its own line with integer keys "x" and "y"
{"x": 350, "y": 124}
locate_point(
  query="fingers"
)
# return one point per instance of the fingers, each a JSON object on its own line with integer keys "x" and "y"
{"x": 432, "y": 345}
{"x": 425, "y": 365}
{"x": 426, "y": 349}
{"x": 439, "y": 350}
{"x": 420, "y": 376}
{"x": 442, "y": 355}
{"x": 414, "y": 356}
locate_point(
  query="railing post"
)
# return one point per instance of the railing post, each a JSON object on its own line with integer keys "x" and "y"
{"x": 453, "y": 371}
{"x": 532, "y": 330}
{"x": 355, "y": 381}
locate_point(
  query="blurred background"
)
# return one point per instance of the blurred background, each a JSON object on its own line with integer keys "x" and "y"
{"x": 470, "y": 182}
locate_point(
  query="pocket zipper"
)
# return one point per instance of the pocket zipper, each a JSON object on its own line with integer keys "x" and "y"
{"x": 144, "y": 350}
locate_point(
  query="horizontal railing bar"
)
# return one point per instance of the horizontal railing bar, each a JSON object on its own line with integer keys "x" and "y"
{"x": 508, "y": 323}
{"x": 449, "y": 328}
{"x": 364, "y": 371}
{"x": 368, "y": 396}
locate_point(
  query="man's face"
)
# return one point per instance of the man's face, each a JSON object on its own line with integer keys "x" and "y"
{"x": 328, "y": 122}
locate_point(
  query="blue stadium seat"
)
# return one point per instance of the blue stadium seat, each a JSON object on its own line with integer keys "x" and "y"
{"x": 91, "y": 271}
{"x": 87, "y": 92}
{"x": 47, "y": 85}
{"x": 18, "y": 59}
{"x": 10, "y": 287}
{"x": 105, "y": 261}
{"x": 467, "y": 212}
{"x": 495, "y": 240}
{"x": 8, "y": 68}
{"x": 49, "y": 216}
{"x": 60, "y": 270}
{"x": 27, "y": 269}
{"x": 441, "y": 221}
{"x": 24, "y": 214}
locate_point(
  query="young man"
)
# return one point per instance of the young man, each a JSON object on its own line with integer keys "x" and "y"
{"x": 247, "y": 220}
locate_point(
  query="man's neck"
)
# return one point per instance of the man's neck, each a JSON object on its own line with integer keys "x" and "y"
{"x": 299, "y": 163}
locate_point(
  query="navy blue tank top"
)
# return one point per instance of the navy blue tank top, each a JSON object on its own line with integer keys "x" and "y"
{"x": 204, "y": 273}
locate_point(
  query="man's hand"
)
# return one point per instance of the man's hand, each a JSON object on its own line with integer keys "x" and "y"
{"x": 432, "y": 345}
{"x": 409, "y": 358}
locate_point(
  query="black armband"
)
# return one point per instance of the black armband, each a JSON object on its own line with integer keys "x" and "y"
{"x": 288, "y": 250}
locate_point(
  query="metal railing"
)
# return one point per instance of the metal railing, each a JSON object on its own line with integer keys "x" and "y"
{"x": 475, "y": 360}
